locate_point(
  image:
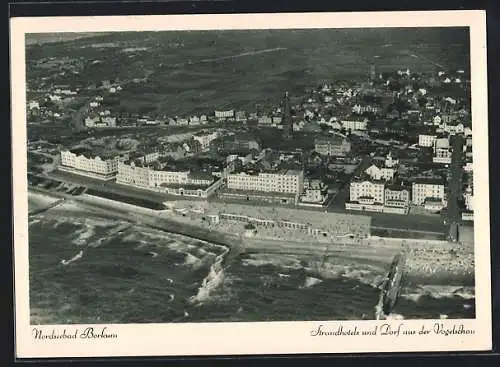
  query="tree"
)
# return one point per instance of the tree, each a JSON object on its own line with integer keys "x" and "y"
{"x": 422, "y": 101}
{"x": 394, "y": 85}
{"x": 323, "y": 127}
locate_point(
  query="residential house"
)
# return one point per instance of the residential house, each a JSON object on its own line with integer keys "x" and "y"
{"x": 335, "y": 145}
{"x": 354, "y": 124}
{"x": 265, "y": 120}
{"x": 194, "y": 120}
{"x": 380, "y": 173}
{"x": 182, "y": 121}
{"x": 241, "y": 116}
{"x": 224, "y": 115}
{"x": 442, "y": 151}
{"x": 425, "y": 140}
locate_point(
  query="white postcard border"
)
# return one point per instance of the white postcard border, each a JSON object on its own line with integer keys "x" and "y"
{"x": 256, "y": 337}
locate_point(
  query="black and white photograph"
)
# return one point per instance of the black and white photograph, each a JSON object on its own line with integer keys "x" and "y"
{"x": 252, "y": 175}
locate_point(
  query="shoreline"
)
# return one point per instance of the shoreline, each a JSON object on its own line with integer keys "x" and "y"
{"x": 376, "y": 249}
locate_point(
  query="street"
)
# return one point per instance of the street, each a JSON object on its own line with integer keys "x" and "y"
{"x": 337, "y": 201}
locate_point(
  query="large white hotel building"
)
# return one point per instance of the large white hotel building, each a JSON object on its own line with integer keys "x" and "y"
{"x": 85, "y": 162}
{"x": 285, "y": 181}
{"x": 425, "y": 189}
{"x": 367, "y": 191}
{"x": 182, "y": 182}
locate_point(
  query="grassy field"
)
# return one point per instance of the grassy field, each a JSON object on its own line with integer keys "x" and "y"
{"x": 194, "y": 72}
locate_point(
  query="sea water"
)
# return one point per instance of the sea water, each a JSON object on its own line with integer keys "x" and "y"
{"x": 91, "y": 269}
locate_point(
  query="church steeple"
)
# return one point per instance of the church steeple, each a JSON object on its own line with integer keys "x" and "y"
{"x": 287, "y": 117}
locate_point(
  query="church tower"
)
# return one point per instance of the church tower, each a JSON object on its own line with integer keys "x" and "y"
{"x": 286, "y": 118}
{"x": 373, "y": 72}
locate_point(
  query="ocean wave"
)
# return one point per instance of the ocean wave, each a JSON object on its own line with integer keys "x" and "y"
{"x": 285, "y": 262}
{"x": 310, "y": 282}
{"x": 70, "y": 206}
{"x": 212, "y": 281}
{"x": 34, "y": 221}
{"x": 202, "y": 252}
{"x": 394, "y": 316}
{"x": 84, "y": 234}
{"x": 134, "y": 49}
{"x": 113, "y": 233}
{"x": 88, "y": 220}
{"x": 134, "y": 237}
{"x": 140, "y": 244}
{"x": 171, "y": 241}
{"x": 78, "y": 256}
{"x": 180, "y": 246}
{"x": 98, "y": 242}
{"x": 55, "y": 222}
{"x": 439, "y": 292}
{"x": 191, "y": 260}
{"x": 365, "y": 274}
{"x": 145, "y": 237}
{"x": 88, "y": 230}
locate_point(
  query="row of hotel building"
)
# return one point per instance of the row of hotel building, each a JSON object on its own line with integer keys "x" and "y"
{"x": 285, "y": 186}
{"x": 141, "y": 172}
{"x": 381, "y": 196}
{"x": 377, "y": 193}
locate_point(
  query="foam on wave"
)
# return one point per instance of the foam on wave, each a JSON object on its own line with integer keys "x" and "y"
{"x": 439, "y": 292}
{"x": 212, "y": 281}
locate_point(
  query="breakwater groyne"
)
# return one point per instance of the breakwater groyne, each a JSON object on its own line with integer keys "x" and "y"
{"x": 45, "y": 208}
